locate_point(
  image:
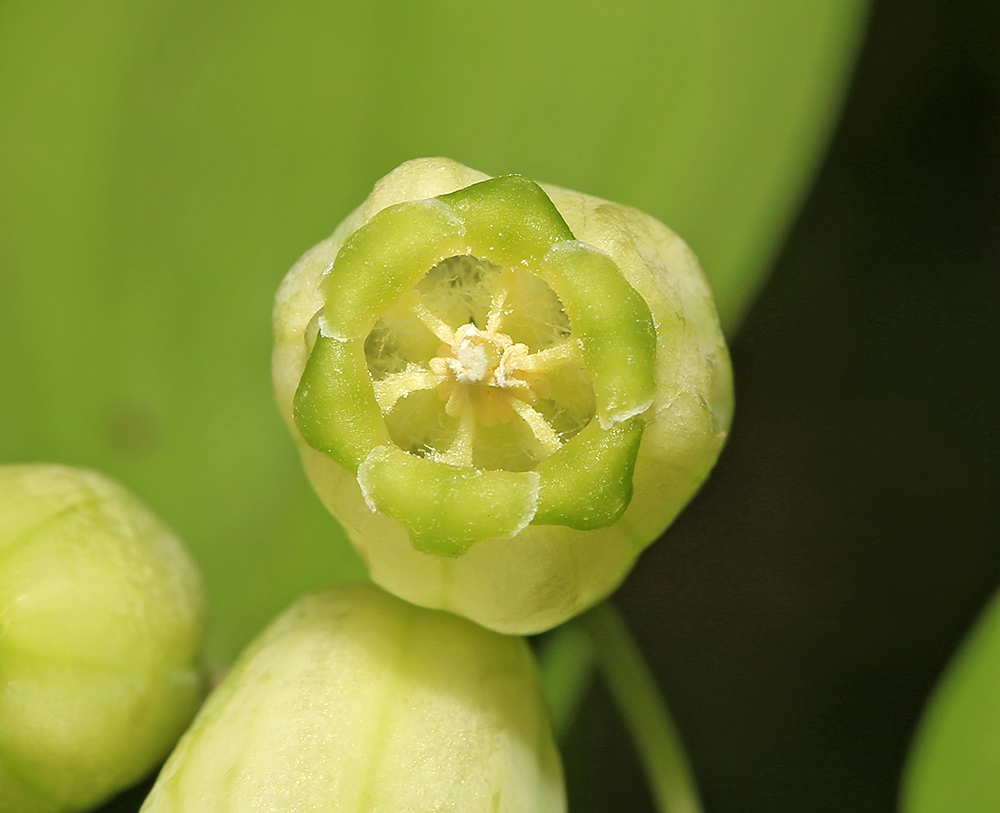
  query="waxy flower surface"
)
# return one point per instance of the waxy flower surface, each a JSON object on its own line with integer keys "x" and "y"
{"x": 503, "y": 390}
{"x": 357, "y": 702}
{"x": 101, "y": 618}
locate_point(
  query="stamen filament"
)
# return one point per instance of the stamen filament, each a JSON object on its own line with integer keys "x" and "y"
{"x": 390, "y": 389}
{"x": 544, "y": 360}
{"x": 459, "y": 453}
{"x": 434, "y": 324}
{"x": 540, "y": 428}
{"x": 501, "y": 289}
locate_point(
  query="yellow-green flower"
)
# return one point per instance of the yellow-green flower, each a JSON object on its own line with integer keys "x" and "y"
{"x": 101, "y": 617}
{"x": 504, "y": 391}
{"x": 356, "y": 701}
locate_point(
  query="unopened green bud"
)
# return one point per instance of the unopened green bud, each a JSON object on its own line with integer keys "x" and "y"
{"x": 101, "y": 616}
{"x": 504, "y": 391}
{"x": 357, "y": 702}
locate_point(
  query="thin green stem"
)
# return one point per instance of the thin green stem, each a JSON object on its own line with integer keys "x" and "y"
{"x": 566, "y": 664}
{"x": 653, "y": 730}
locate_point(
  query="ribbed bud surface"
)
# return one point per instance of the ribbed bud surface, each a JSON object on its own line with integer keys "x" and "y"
{"x": 356, "y": 702}
{"x": 101, "y": 617}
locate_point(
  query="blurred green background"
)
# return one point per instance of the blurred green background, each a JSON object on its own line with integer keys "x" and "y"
{"x": 162, "y": 164}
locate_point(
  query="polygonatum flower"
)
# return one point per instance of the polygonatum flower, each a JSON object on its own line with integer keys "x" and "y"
{"x": 356, "y": 701}
{"x": 504, "y": 391}
{"x": 101, "y": 618}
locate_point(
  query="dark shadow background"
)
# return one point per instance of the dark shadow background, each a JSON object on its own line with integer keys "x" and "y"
{"x": 799, "y": 612}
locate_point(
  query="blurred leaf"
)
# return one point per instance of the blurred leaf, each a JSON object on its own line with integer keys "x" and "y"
{"x": 955, "y": 761}
{"x": 163, "y": 162}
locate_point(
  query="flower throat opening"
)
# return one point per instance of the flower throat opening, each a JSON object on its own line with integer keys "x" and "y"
{"x": 477, "y": 366}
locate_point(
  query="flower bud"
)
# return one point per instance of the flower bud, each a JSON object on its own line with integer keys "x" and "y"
{"x": 101, "y": 616}
{"x": 356, "y": 701}
{"x": 504, "y": 391}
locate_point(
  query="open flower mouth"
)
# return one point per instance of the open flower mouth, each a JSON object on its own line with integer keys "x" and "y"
{"x": 479, "y": 368}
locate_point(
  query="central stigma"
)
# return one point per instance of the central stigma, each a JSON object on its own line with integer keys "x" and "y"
{"x": 487, "y": 371}
{"x": 474, "y": 355}
{"x": 477, "y": 366}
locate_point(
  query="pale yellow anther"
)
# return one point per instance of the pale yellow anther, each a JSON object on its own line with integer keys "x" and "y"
{"x": 484, "y": 377}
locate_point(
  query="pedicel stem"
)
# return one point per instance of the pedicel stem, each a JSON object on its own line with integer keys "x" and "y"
{"x": 634, "y": 690}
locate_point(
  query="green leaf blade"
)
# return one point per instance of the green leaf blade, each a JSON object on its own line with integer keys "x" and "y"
{"x": 163, "y": 163}
{"x": 954, "y": 764}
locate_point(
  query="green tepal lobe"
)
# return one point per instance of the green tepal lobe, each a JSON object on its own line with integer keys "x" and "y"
{"x": 588, "y": 483}
{"x": 508, "y": 220}
{"x": 384, "y": 259}
{"x": 487, "y": 365}
{"x": 445, "y": 508}
{"x": 613, "y": 324}
{"x": 334, "y": 407}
